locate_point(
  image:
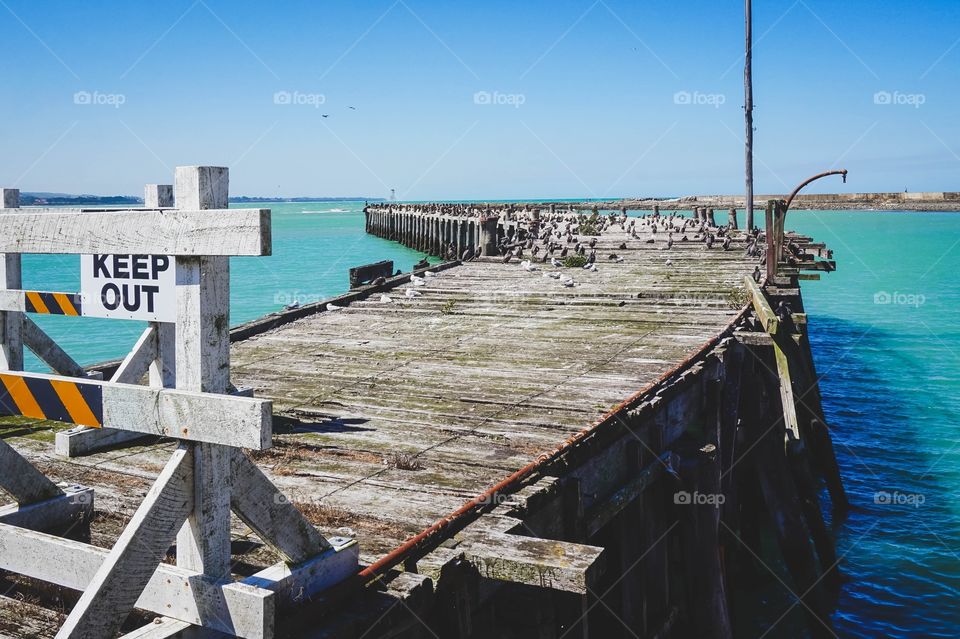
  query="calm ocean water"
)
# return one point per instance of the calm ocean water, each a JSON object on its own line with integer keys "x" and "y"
{"x": 886, "y": 337}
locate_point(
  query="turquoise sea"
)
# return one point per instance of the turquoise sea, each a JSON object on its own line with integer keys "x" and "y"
{"x": 885, "y": 330}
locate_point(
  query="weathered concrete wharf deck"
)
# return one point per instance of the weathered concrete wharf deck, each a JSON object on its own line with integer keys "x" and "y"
{"x": 650, "y": 377}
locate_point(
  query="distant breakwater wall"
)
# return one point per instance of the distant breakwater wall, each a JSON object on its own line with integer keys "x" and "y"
{"x": 919, "y": 201}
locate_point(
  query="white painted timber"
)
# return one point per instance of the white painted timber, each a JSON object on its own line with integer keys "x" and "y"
{"x": 168, "y": 232}
{"x": 158, "y": 196}
{"x": 122, "y": 577}
{"x": 164, "y": 367}
{"x": 58, "y": 515}
{"x": 81, "y": 440}
{"x": 21, "y": 480}
{"x": 159, "y": 628}
{"x": 201, "y": 187}
{"x": 12, "y": 300}
{"x": 49, "y": 351}
{"x": 298, "y": 583}
{"x": 237, "y": 608}
{"x": 202, "y": 348}
{"x": 261, "y": 506}
{"x": 11, "y": 340}
{"x": 137, "y": 362}
{"x": 242, "y": 422}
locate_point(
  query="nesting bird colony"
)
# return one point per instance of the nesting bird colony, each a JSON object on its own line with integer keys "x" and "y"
{"x": 505, "y": 433}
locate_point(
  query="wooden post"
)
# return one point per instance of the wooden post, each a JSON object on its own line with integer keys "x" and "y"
{"x": 202, "y": 346}
{"x": 732, "y": 218}
{"x": 488, "y": 235}
{"x": 783, "y": 502}
{"x": 748, "y": 111}
{"x": 700, "y": 514}
{"x": 11, "y": 322}
{"x": 771, "y": 231}
{"x": 158, "y": 196}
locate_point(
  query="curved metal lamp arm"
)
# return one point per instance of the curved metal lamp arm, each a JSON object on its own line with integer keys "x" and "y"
{"x": 842, "y": 172}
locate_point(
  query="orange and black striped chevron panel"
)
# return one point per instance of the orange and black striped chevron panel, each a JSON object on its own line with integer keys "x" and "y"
{"x": 52, "y": 303}
{"x": 60, "y": 399}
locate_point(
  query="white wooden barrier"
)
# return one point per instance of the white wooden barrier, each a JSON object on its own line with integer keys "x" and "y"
{"x": 188, "y": 398}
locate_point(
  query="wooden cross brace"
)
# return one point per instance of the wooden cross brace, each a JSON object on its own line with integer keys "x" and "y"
{"x": 131, "y": 575}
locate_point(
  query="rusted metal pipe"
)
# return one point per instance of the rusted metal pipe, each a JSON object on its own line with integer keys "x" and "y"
{"x": 842, "y": 172}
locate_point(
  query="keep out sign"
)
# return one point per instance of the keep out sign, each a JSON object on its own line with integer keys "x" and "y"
{"x": 137, "y": 287}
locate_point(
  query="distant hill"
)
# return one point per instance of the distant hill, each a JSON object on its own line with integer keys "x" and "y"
{"x": 65, "y": 199}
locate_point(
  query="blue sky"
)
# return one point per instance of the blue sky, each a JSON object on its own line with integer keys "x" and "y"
{"x": 478, "y": 100}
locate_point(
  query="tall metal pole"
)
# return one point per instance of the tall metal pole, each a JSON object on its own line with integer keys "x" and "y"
{"x": 748, "y": 112}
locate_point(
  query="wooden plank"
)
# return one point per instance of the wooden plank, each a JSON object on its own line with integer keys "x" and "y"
{"x": 202, "y": 353}
{"x": 267, "y": 512}
{"x": 297, "y": 583}
{"x": 11, "y": 338}
{"x": 49, "y": 351}
{"x": 786, "y": 393}
{"x": 58, "y": 515}
{"x": 240, "y": 609}
{"x": 21, "y": 480}
{"x": 120, "y": 580}
{"x": 604, "y": 512}
{"x": 544, "y": 563}
{"x": 168, "y": 232}
{"x": 198, "y": 417}
{"x": 159, "y": 628}
{"x": 137, "y": 362}
{"x": 83, "y": 440}
{"x": 12, "y": 300}
{"x": 765, "y": 314}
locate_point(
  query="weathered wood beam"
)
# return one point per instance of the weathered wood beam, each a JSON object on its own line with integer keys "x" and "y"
{"x": 217, "y": 419}
{"x": 786, "y": 393}
{"x": 11, "y": 331}
{"x": 202, "y": 355}
{"x": 544, "y": 563}
{"x": 137, "y": 362}
{"x": 168, "y": 232}
{"x": 49, "y": 351}
{"x": 58, "y": 514}
{"x": 120, "y": 580}
{"x": 297, "y": 583}
{"x": 768, "y": 319}
{"x": 603, "y": 513}
{"x": 160, "y": 628}
{"x": 261, "y": 506}
{"x": 240, "y": 609}
{"x": 21, "y": 480}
